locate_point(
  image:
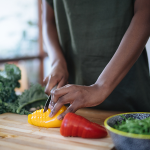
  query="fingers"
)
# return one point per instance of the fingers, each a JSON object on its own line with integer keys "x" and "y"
{"x": 52, "y": 81}
{"x": 55, "y": 95}
{"x": 72, "y": 108}
{"x": 68, "y": 98}
{"x": 62, "y": 100}
{"x": 62, "y": 83}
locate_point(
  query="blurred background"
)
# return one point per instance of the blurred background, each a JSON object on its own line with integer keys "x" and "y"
{"x": 21, "y": 39}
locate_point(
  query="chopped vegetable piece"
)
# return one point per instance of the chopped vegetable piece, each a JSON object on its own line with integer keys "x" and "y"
{"x": 38, "y": 118}
{"x": 78, "y": 126}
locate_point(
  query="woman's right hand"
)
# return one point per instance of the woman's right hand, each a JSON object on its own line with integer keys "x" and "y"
{"x": 58, "y": 75}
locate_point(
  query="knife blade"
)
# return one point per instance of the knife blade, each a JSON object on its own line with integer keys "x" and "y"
{"x": 48, "y": 100}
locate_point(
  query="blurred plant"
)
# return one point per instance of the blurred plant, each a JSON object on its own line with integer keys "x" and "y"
{"x": 9, "y": 101}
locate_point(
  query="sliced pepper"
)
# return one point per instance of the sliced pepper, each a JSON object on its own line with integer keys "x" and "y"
{"x": 78, "y": 126}
{"x": 38, "y": 118}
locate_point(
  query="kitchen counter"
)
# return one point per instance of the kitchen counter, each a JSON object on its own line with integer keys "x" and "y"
{"x": 17, "y": 134}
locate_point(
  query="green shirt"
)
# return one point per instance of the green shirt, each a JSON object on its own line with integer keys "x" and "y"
{"x": 90, "y": 32}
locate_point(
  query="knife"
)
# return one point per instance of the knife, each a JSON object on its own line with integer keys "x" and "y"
{"x": 48, "y": 100}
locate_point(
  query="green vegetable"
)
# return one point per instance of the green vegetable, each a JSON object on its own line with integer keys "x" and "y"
{"x": 8, "y": 82}
{"x": 132, "y": 125}
{"x": 9, "y": 78}
{"x": 9, "y": 101}
{"x": 11, "y": 107}
{"x": 31, "y": 97}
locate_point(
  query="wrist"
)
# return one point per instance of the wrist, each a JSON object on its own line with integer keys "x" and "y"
{"x": 102, "y": 85}
{"x": 102, "y": 89}
{"x": 59, "y": 61}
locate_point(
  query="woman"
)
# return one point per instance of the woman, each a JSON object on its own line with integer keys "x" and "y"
{"x": 98, "y": 47}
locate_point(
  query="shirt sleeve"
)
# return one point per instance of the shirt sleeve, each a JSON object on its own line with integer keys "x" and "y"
{"x": 50, "y": 2}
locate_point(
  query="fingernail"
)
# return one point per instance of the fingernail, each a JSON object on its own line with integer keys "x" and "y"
{"x": 51, "y": 107}
{"x": 59, "y": 117}
{"x": 51, "y": 114}
{"x": 52, "y": 103}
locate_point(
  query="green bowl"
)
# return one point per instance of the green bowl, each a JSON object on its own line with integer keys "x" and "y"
{"x": 127, "y": 141}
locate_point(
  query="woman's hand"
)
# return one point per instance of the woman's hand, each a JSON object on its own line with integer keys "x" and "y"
{"x": 58, "y": 75}
{"x": 78, "y": 97}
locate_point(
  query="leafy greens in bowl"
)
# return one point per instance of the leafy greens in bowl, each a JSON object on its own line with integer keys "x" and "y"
{"x": 130, "y": 131}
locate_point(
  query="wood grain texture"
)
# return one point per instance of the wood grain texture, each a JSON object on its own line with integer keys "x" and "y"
{"x": 17, "y": 134}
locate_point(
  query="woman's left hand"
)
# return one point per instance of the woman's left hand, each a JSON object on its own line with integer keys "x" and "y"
{"x": 77, "y": 96}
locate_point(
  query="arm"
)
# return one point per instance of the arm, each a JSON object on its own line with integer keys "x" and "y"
{"x": 128, "y": 52}
{"x": 130, "y": 47}
{"x": 59, "y": 73}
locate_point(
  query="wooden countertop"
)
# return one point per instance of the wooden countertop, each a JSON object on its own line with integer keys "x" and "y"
{"x": 17, "y": 134}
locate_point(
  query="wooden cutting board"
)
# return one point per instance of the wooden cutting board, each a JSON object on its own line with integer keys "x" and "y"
{"x": 17, "y": 134}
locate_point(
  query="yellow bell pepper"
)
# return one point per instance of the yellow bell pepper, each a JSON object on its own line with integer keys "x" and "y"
{"x": 38, "y": 118}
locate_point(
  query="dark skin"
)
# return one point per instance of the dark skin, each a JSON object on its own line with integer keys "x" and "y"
{"x": 129, "y": 50}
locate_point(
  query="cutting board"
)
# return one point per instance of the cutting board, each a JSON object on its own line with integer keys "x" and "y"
{"x": 17, "y": 134}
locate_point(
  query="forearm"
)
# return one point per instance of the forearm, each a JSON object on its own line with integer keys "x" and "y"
{"x": 127, "y": 53}
{"x": 52, "y": 44}
{"x": 50, "y": 36}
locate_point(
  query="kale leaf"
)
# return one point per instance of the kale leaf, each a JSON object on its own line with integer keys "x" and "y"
{"x": 12, "y": 108}
{"x": 8, "y": 82}
{"x": 9, "y": 101}
{"x": 35, "y": 94}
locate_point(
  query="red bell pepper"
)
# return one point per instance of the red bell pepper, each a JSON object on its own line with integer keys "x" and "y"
{"x": 78, "y": 126}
